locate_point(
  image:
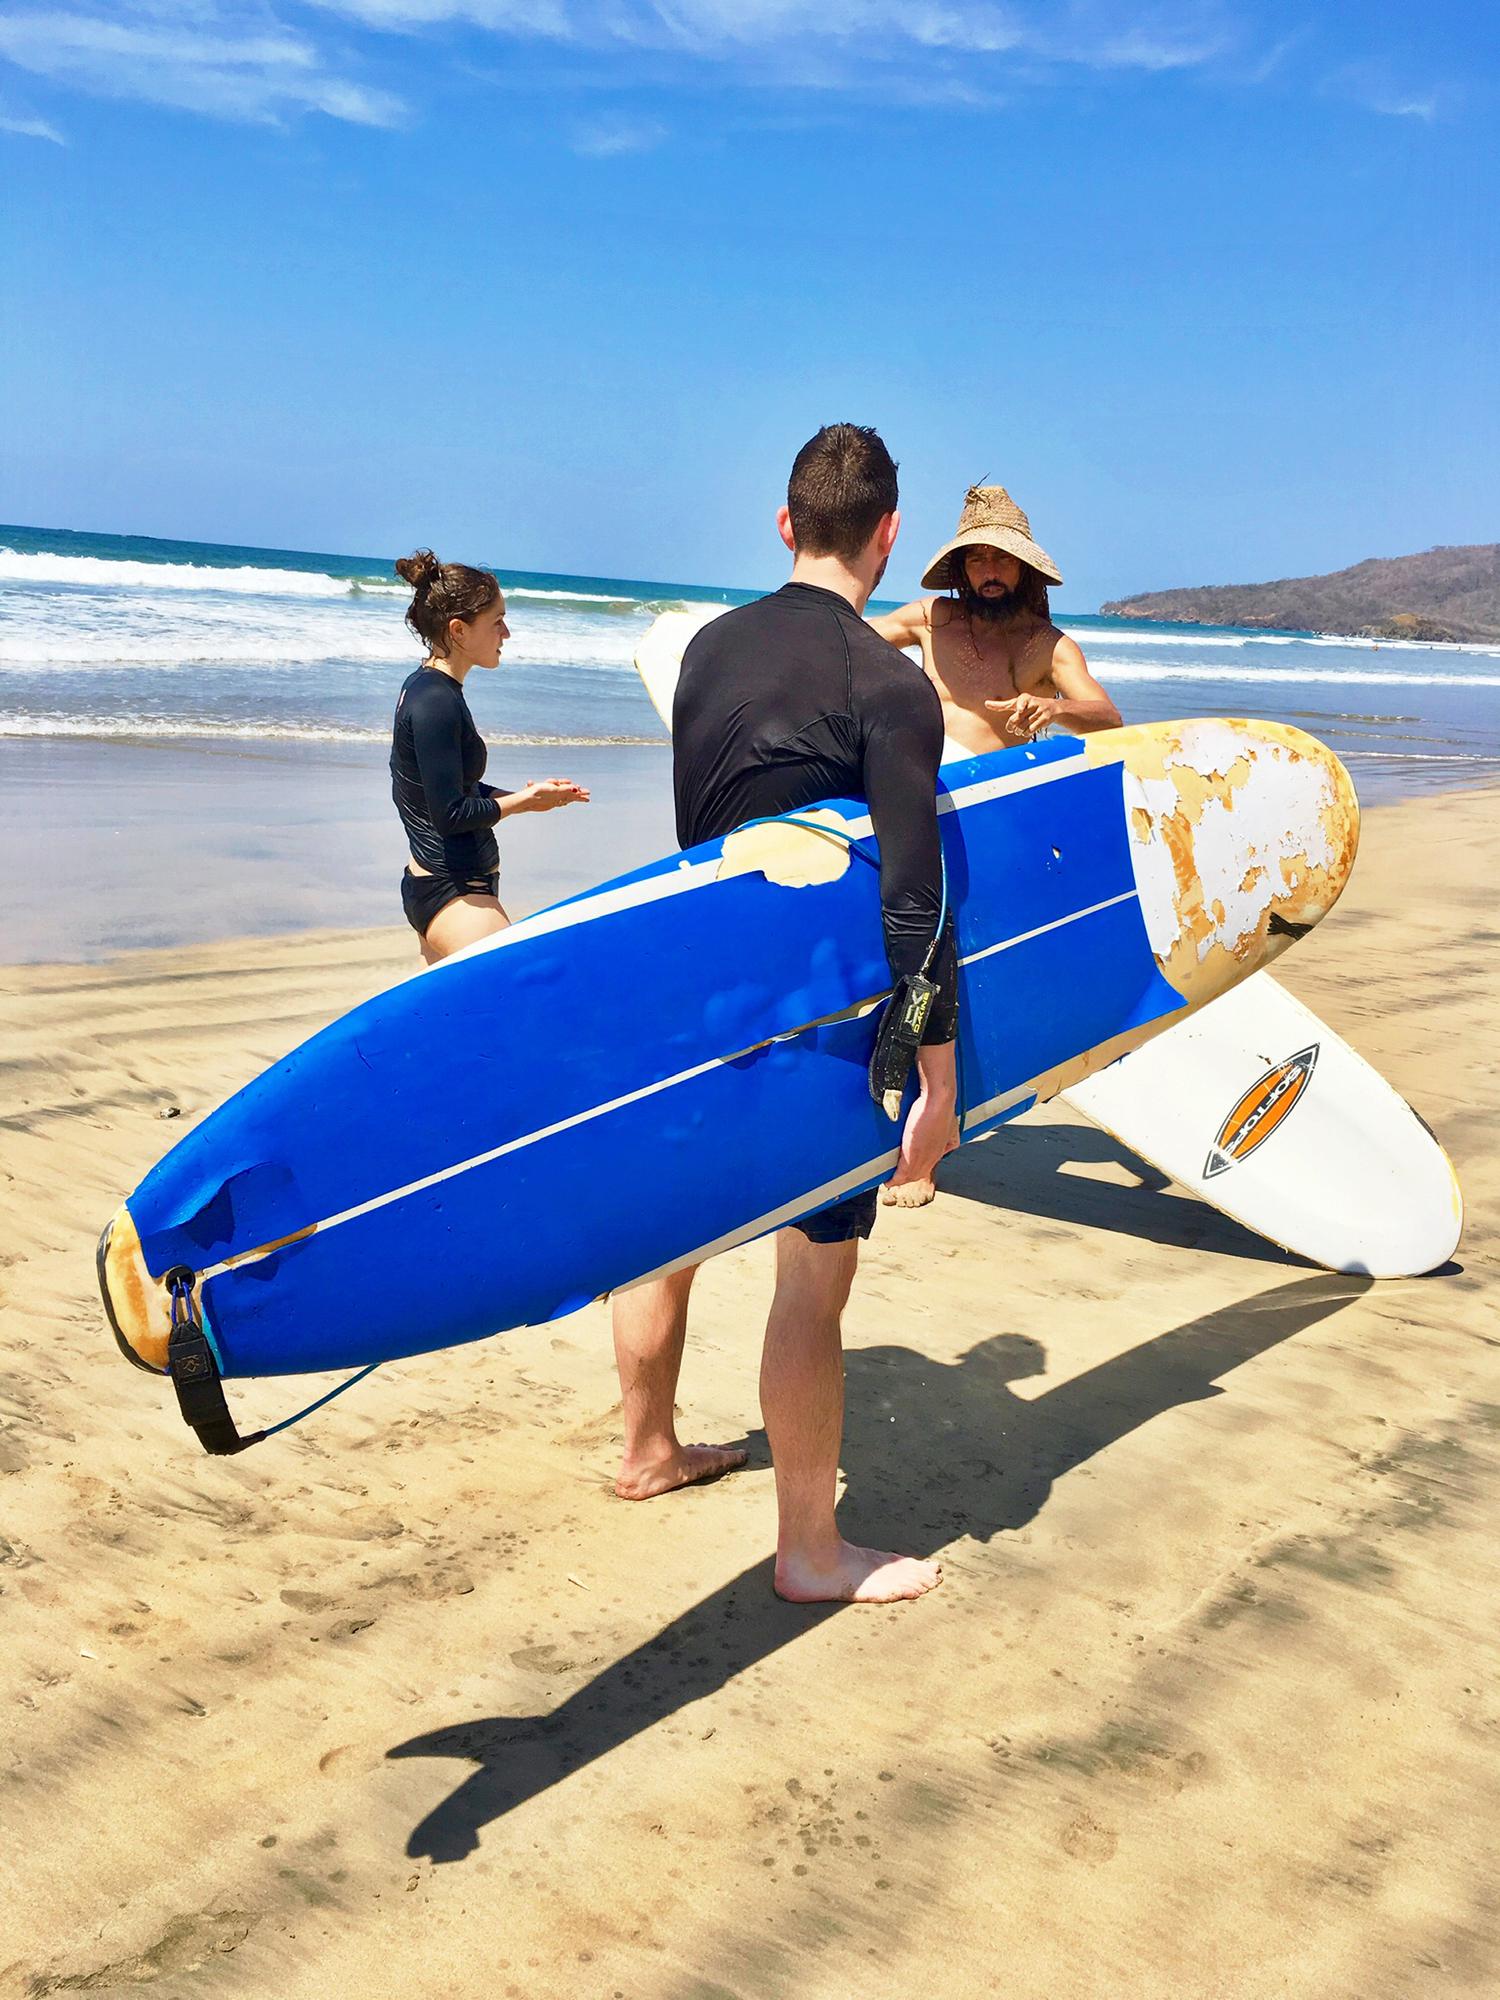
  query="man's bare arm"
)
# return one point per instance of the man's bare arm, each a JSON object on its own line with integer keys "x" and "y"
{"x": 906, "y": 626}
{"x": 1081, "y": 703}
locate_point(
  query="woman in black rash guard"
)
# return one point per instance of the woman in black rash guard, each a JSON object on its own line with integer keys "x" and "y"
{"x": 449, "y": 890}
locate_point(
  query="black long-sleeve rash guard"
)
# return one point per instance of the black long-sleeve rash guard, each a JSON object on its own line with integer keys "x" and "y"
{"x": 794, "y": 699}
{"x": 437, "y": 760}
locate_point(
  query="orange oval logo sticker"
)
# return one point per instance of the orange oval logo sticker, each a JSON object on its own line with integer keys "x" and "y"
{"x": 1264, "y": 1106}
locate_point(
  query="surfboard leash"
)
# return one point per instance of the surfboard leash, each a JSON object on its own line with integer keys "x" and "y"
{"x": 193, "y": 1366}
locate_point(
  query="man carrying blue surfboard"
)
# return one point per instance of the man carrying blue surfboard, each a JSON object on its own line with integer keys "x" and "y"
{"x": 782, "y": 703}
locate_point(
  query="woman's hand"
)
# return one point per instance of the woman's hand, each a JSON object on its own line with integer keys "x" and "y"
{"x": 1022, "y": 715}
{"x": 545, "y": 793}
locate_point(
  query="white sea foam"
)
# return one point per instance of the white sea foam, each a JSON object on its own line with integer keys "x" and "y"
{"x": 1097, "y": 635}
{"x": 1088, "y": 635}
{"x": 635, "y": 607}
{"x": 204, "y": 635}
{"x": 252, "y": 580}
{"x": 1254, "y": 677}
{"x": 99, "y": 571}
{"x": 143, "y": 728}
{"x": 191, "y": 652}
{"x": 1418, "y": 757}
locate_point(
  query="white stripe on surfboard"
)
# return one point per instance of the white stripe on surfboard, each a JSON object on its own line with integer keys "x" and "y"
{"x": 1025, "y": 937}
{"x": 698, "y": 874}
{"x": 577, "y": 1118}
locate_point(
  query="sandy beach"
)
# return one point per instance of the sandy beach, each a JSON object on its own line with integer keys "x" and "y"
{"x": 406, "y": 1702}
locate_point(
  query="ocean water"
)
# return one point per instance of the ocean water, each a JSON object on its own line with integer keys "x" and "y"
{"x": 110, "y": 638}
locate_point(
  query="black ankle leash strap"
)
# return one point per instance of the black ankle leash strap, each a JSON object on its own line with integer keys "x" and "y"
{"x": 195, "y": 1374}
{"x": 194, "y": 1370}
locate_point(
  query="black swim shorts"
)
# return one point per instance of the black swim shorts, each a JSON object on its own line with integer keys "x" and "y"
{"x": 842, "y": 1221}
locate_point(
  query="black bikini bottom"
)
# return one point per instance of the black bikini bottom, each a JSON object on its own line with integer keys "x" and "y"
{"x": 422, "y": 896}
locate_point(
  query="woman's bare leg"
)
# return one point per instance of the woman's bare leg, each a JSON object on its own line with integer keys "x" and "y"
{"x": 462, "y": 922}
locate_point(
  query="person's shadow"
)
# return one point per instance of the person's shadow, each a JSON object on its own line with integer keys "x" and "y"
{"x": 965, "y": 1455}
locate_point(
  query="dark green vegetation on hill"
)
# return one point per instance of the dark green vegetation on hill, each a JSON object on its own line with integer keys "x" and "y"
{"x": 1441, "y": 594}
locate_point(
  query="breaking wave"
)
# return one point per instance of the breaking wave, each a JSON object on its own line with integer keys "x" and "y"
{"x": 153, "y": 728}
{"x": 251, "y": 580}
{"x": 1254, "y": 677}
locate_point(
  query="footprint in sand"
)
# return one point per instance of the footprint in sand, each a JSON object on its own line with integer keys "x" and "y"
{"x": 308, "y": 1600}
{"x": 1086, "y": 1840}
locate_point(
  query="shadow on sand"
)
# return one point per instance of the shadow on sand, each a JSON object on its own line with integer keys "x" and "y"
{"x": 1024, "y": 1169}
{"x": 973, "y": 1458}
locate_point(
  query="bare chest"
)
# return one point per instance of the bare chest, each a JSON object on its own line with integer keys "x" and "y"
{"x": 971, "y": 669}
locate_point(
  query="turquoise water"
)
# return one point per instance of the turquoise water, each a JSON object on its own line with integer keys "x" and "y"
{"x": 126, "y": 638}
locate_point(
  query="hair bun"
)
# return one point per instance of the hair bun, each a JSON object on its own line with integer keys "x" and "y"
{"x": 421, "y": 570}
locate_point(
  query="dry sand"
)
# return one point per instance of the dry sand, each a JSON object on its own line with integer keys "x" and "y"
{"x": 407, "y": 1703}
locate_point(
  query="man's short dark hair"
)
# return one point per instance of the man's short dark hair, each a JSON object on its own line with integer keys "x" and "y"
{"x": 843, "y": 485}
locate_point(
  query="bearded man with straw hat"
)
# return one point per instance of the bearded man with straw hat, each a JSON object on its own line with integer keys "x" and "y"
{"x": 1002, "y": 669}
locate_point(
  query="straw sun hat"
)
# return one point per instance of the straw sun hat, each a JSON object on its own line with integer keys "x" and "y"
{"x": 992, "y": 518}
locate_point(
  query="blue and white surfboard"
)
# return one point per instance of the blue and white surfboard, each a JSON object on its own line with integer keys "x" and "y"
{"x": 676, "y": 1062}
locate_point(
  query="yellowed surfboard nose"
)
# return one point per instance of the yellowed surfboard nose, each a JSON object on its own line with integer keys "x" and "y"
{"x": 139, "y": 1307}
{"x": 1243, "y": 836}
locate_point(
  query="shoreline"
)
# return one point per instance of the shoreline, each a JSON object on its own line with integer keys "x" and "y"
{"x": 323, "y": 936}
{"x": 157, "y": 846}
{"x": 168, "y": 844}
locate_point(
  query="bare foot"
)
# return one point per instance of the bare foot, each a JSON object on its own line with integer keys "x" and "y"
{"x": 908, "y": 1194}
{"x": 912, "y": 1184}
{"x": 856, "y": 1576}
{"x": 688, "y": 1465}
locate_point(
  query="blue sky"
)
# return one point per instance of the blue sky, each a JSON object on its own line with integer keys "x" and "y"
{"x": 1211, "y": 286}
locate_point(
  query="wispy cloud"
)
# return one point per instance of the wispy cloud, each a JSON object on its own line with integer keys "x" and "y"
{"x": 608, "y": 137}
{"x": 226, "y": 61}
{"x": 1261, "y": 68}
{"x": 30, "y": 128}
{"x": 1406, "y": 107}
{"x": 269, "y": 60}
{"x": 1372, "y": 87}
{"x": 1098, "y": 34}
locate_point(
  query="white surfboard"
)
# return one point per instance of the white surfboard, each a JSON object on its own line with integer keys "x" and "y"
{"x": 1259, "y": 1108}
{"x": 1253, "y": 1104}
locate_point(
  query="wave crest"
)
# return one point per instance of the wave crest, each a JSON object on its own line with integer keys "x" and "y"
{"x": 1250, "y": 678}
{"x": 244, "y": 581}
{"x": 153, "y": 728}
{"x": 249, "y": 580}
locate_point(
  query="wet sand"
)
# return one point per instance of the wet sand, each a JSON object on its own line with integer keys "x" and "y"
{"x": 406, "y": 1702}
{"x": 135, "y": 845}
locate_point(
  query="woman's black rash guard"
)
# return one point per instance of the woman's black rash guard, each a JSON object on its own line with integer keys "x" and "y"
{"x": 437, "y": 760}
{"x": 793, "y": 699}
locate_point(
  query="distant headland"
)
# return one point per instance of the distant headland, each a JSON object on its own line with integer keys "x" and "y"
{"x": 1443, "y": 594}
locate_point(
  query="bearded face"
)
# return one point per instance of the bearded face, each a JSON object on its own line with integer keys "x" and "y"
{"x": 988, "y": 584}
